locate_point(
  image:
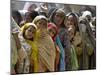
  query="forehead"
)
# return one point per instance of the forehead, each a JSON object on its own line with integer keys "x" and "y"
{"x": 59, "y": 14}
{"x": 70, "y": 17}
{"x": 42, "y": 20}
{"x": 31, "y": 27}
{"x": 53, "y": 29}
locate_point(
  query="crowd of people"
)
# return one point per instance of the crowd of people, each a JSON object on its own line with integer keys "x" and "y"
{"x": 47, "y": 39}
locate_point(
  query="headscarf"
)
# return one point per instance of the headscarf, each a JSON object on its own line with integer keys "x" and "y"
{"x": 76, "y": 19}
{"x": 63, "y": 35}
{"x": 53, "y": 26}
{"x": 45, "y": 46}
{"x": 27, "y": 25}
{"x": 87, "y": 13}
{"x": 37, "y": 18}
{"x": 59, "y": 11}
{"x": 33, "y": 44}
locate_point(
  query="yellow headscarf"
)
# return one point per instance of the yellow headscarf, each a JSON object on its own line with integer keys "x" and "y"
{"x": 34, "y": 51}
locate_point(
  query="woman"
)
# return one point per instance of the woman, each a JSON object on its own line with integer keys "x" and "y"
{"x": 45, "y": 46}
{"x": 74, "y": 61}
{"x": 60, "y": 54}
{"x": 89, "y": 53}
{"x": 72, "y": 21}
{"x": 29, "y": 17}
{"x": 27, "y": 39}
{"x": 58, "y": 17}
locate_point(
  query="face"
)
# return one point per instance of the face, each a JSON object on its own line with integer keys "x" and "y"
{"x": 42, "y": 24}
{"x": 58, "y": 19}
{"x": 71, "y": 32}
{"x": 30, "y": 32}
{"x": 28, "y": 18}
{"x": 70, "y": 20}
{"x": 52, "y": 32}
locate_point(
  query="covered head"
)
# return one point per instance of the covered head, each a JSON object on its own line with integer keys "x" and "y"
{"x": 30, "y": 15}
{"x": 40, "y": 21}
{"x": 53, "y": 30}
{"x": 72, "y": 19}
{"x": 88, "y": 15}
{"x": 29, "y": 31}
{"x": 57, "y": 17}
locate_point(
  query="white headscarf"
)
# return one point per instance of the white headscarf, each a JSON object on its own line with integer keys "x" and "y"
{"x": 85, "y": 13}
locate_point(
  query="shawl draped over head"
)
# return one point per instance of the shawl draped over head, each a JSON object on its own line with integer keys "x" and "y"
{"x": 53, "y": 26}
{"x": 85, "y": 13}
{"x": 63, "y": 35}
{"x": 38, "y": 18}
{"x": 27, "y": 25}
{"x": 76, "y": 19}
{"x": 59, "y": 11}
{"x": 33, "y": 44}
{"x": 45, "y": 46}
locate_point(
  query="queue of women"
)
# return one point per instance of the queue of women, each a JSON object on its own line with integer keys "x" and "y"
{"x": 58, "y": 42}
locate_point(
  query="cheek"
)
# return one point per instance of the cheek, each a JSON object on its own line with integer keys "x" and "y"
{"x": 26, "y": 33}
{"x": 38, "y": 26}
{"x": 60, "y": 20}
{"x": 51, "y": 34}
{"x": 71, "y": 35}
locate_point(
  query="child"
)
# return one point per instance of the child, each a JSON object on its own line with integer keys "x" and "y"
{"x": 45, "y": 45}
{"x": 60, "y": 54}
{"x": 74, "y": 61}
{"x": 27, "y": 39}
{"x": 53, "y": 33}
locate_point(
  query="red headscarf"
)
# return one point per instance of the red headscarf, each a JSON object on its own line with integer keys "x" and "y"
{"x": 53, "y": 26}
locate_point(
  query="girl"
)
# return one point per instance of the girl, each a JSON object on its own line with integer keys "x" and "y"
{"x": 58, "y": 17}
{"x": 72, "y": 20}
{"x": 60, "y": 55}
{"x": 74, "y": 61}
{"x": 45, "y": 46}
{"x": 27, "y": 39}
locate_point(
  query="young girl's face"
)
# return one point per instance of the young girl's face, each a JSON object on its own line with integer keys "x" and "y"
{"x": 30, "y": 32}
{"x": 42, "y": 24}
{"x": 71, "y": 32}
{"x": 58, "y": 19}
{"x": 52, "y": 32}
{"x": 70, "y": 20}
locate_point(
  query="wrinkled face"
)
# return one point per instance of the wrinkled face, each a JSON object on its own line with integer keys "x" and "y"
{"x": 70, "y": 20}
{"x": 58, "y": 19}
{"x": 71, "y": 32}
{"x": 52, "y": 32}
{"x": 30, "y": 32}
{"x": 42, "y": 24}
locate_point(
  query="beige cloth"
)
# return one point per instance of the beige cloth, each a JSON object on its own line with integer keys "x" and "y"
{"x": 46, "y": 52}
